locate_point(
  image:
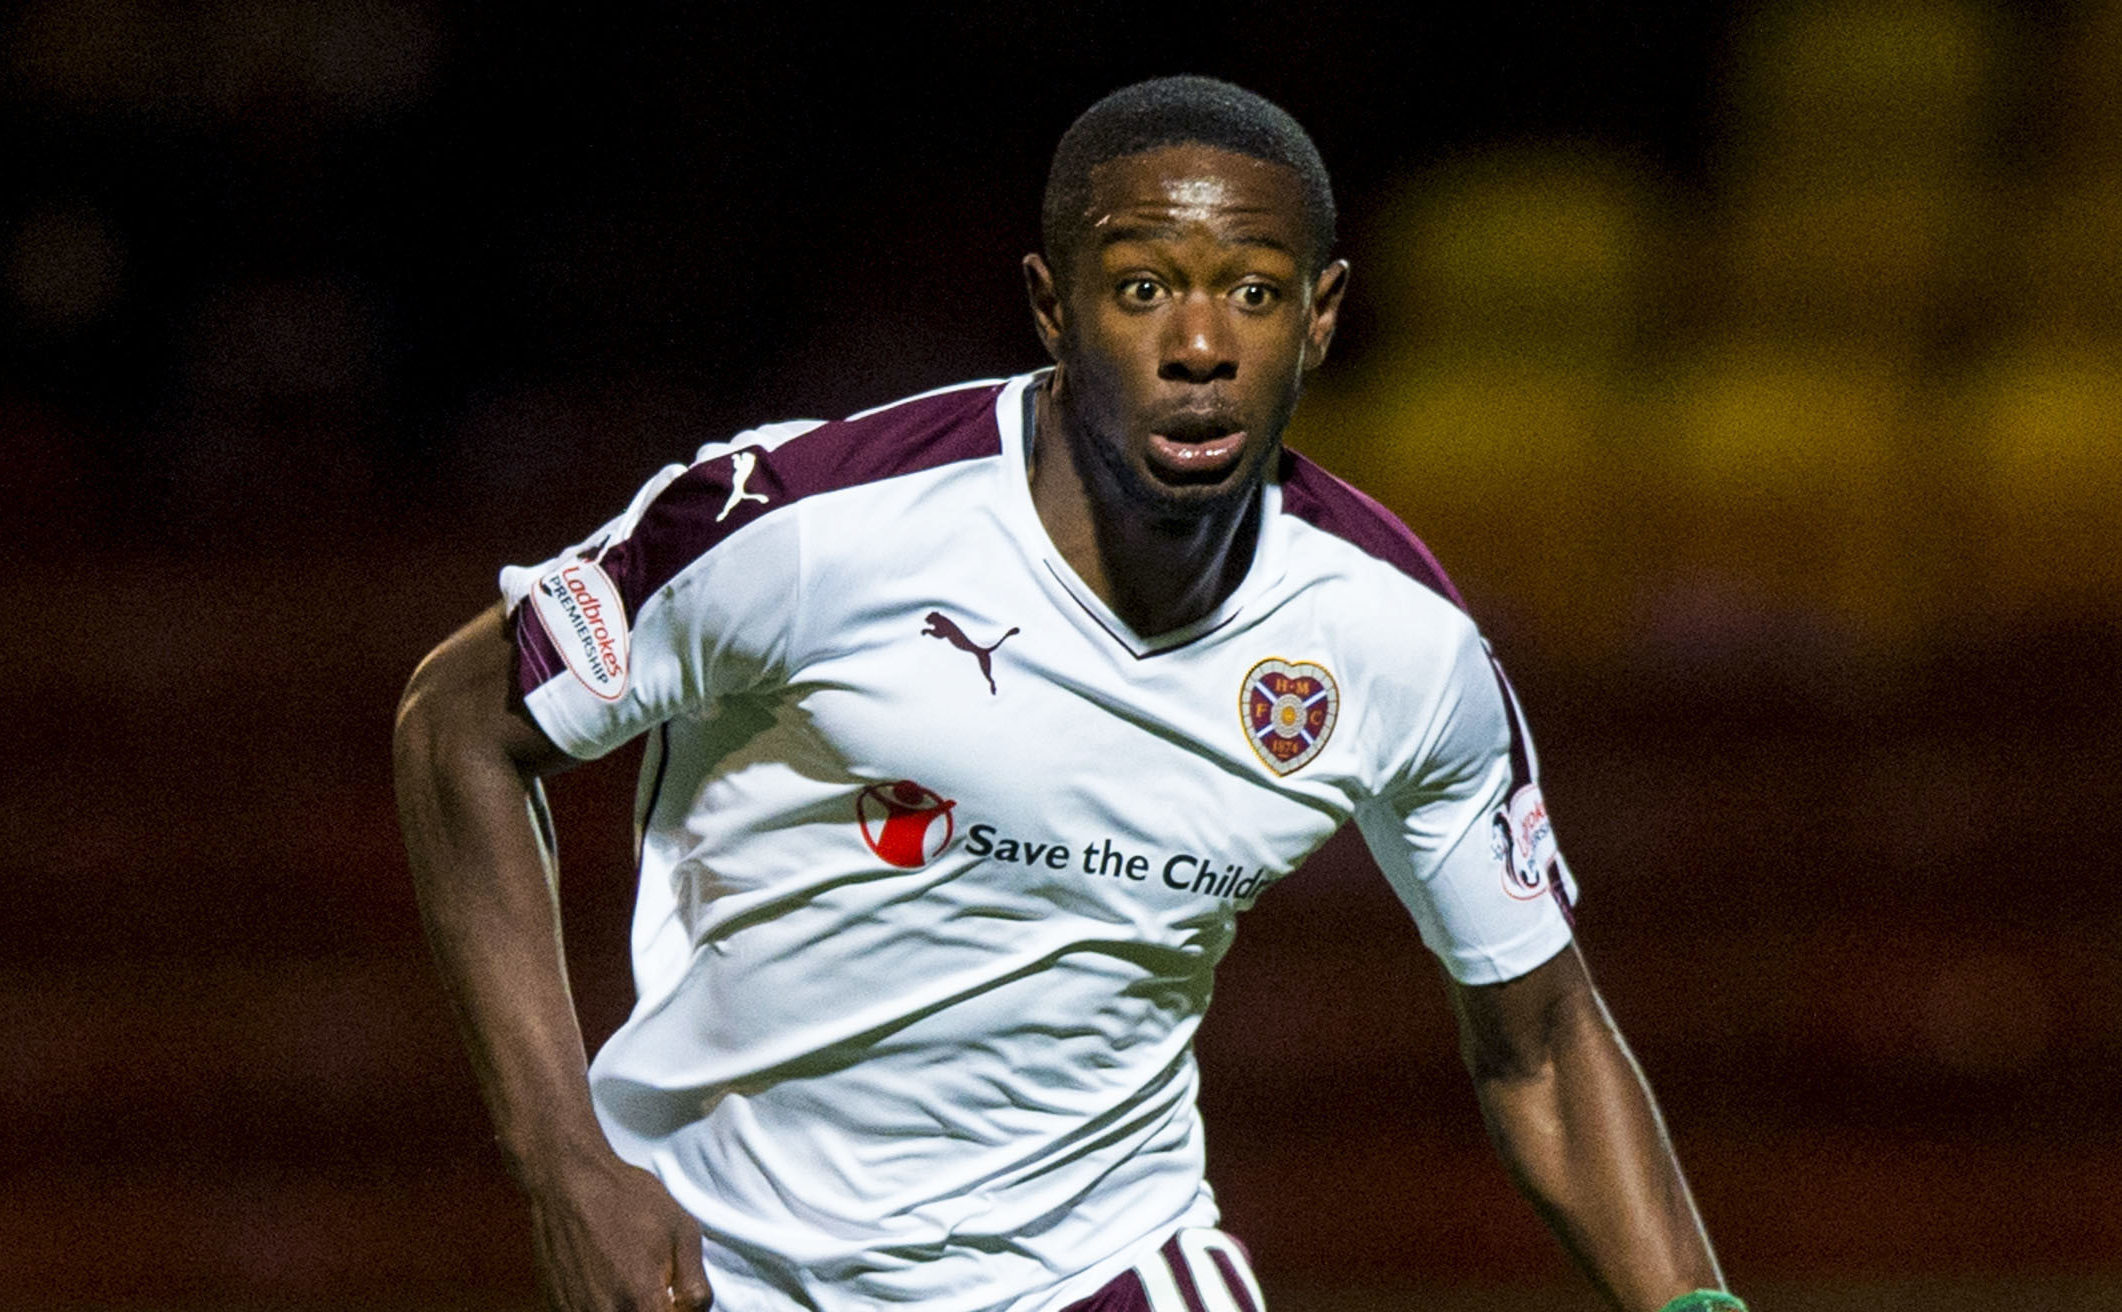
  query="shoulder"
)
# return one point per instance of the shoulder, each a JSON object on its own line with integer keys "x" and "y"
{"x": 1354, "y": 521}
{"x": 940, "y": 427}
{"x": 781, "y": 464}
{"x": 761, "y": 473}
{"x": 1429, "y": 656}
{"x": 1383, "y": 607}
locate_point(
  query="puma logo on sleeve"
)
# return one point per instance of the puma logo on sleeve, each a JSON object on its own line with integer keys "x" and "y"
{"x": 741, "y": 464}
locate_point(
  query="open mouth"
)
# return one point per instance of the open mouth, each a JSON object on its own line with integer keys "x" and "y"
{"x": 1195, "y": 450}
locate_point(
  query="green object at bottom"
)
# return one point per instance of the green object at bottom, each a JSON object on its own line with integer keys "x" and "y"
{"x": 1705, "y": 1300}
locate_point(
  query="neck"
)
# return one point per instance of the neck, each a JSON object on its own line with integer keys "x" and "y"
{"x": 1156, "y": 572}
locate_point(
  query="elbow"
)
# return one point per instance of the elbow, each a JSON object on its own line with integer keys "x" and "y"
{"x": 450, "y": 774}
{"x": 420, "y": 764}
{"x": 1537, "y": 1038}
{"x": 1572, "y": 1037}
{"x": 417, "y": 732}
{"x": 1498, "y": 1066}
{"x": 458, "y": 724}
{"x": 438, "y": 737}
{"x": 1507, "y": 1056}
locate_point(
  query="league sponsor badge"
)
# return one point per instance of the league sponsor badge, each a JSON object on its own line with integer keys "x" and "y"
{"x": 580, "y": 608}
{"x": 1523, "y": 841}
{"x": 1289, "y": 709}
{"x": 905, "y": 824}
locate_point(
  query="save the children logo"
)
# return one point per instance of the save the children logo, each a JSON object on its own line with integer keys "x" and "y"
{"x": 906, "y": 825}
{"x": 580, "y": 608}
{"x": 1288, "y": 709}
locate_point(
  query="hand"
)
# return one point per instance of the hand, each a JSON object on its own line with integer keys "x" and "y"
{"x": 610, "y": 1239}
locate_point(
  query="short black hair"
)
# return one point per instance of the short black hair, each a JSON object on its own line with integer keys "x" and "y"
{"x": 1169, "y": 111}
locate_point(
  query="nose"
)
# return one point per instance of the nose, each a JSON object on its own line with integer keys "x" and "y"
{"x": 1199, "y": 346}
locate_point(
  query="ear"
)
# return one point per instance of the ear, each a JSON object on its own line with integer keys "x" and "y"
{"x": 1325, "y": 312}
{"x": 1048, "y": 317}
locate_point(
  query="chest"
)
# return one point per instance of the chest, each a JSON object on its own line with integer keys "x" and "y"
{"x": 995, "y": 714}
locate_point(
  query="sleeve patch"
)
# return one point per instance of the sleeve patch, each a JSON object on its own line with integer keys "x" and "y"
{"x": 578, "y": 606}
{"x": 1523, "y": 842}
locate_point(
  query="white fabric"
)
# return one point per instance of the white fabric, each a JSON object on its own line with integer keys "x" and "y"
{"x": 969, "y": 1084}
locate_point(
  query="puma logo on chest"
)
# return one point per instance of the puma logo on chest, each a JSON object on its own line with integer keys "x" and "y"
{"x": 942, "y": 626}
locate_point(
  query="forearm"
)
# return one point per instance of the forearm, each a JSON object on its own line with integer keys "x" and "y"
{"x": 1583, "y": 1139}
{"x": 467, "y": 762}
{"x": 485, "y": 882}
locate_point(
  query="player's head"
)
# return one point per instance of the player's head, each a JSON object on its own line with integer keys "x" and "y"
{"x": 1168, "y": 111}
{"x": 1186, "y": 290}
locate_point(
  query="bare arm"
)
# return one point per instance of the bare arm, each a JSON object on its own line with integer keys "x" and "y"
{"x": 467, "y": 761}
{"x": 1574, "y": 1121}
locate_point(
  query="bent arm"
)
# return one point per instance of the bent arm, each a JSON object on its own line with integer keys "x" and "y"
{"x": 467, "y": 762}
{"x": 1575, "y": 1123}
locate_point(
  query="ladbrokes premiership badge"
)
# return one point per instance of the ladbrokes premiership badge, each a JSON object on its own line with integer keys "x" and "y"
{"x": 1524, "y": 844}
{"x": 583, "y": 614}
{"x": 1289, "y": 710}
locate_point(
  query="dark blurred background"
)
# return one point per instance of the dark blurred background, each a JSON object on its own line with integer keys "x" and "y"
{"x": 1754, "y": 368}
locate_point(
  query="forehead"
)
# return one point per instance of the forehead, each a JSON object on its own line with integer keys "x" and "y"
{"x": 1166, "y": 190}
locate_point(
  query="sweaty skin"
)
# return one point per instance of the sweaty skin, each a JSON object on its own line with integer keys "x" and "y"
{"x": 1570, "y": 1114}
{"x": 467, "y": 761}
{"x": 1181, "y": 333}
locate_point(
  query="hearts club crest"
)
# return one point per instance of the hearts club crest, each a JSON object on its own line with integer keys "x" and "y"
{"x": 1289, "y": 709}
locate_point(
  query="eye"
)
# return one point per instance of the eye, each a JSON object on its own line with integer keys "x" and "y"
{"x": 1256, "y": 295}
{"x": 1141, "y": 291}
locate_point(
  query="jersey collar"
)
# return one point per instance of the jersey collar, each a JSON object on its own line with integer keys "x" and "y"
{"x": 1013, "y": 408}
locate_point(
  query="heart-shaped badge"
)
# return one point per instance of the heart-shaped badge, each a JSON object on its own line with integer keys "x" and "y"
{"x": 1288, "y": 708}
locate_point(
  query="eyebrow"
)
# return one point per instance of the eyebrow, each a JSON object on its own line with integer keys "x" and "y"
{"x": 1146, "y": 232}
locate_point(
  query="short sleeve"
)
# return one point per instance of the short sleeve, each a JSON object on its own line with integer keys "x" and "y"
{"x": 687, "y": 596}
{"x": 1463, "y": 834}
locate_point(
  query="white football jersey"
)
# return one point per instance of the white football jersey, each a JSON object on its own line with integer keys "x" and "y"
{"x": 938, "y": 855}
